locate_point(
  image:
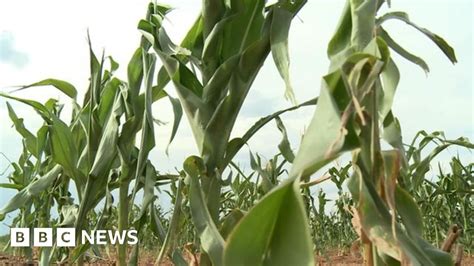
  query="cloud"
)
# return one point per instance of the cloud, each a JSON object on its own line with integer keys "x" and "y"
{"x": 8, "y": 53}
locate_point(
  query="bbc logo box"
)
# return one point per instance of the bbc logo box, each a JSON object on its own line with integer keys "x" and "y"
{"x": 42, "y": 237}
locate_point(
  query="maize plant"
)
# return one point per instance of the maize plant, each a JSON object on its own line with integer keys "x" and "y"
{"x": 354, "y": 109}
{"x": 445, "y": 200}
{"x": 212, "y": 70}
{"x": 36, "y": 159}
{"x": 97, "y": 150}
{"x": 330, "y": 227}
{"x": 448, "y": 201}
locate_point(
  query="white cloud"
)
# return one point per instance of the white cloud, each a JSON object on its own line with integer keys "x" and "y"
{"x": 8, "y": 52}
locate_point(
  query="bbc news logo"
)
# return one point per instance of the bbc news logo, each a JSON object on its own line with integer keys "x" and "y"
{"x": 66, "y": 237}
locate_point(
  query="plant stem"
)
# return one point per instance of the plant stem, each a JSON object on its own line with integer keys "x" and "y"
{"x": 170, "y": 239}
{"x": 81, "y": 217}
{"x": 212, "y": 193}
{"x": 368, "y": 254}
{"x": 123, "y": 221}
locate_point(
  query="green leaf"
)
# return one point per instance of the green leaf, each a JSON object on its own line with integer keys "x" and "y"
{"x": 211, "y": 240}
{"x": 230, "y": 221}
{"x": 390, "y": 78}
{"x": 363, "y": 21}
{"x": 63, "y": 148}
{"x": 11, "y": 186}
{"x": 422, "y": 167}
{"x": 392, "y": 133}
{"x": 284, "y": 146}
{"x": 41, "y": 109}
{"x": 401, "y": 51}
{"x": 30, "y": 139}
{"x": 341, "y": 40}
{"x": 64, "y": 86}
{"x": 376, "y": 221}
{"x": 170, "y": 242}
{"x": 148, "y": 191}
{"x": 107, "y": 98}
{"x": 178, "y": 113}
{"x": 220, "y": 124}
{"x": 113, "y": 64}
{"x": 264, "y": 235}
{"x": 237, "y": 143}
{"x": 135, "y": 72}
{"x": 94, "y": 91}
{"x": 147, "y": 138}
{"x": 439, "y": 41}
{"x": 280, "y": 27}
{"x": 32, "y": 189}
{"x": 409, "y": 212}
{"x": 212, "y": 12}
{"x": 107, "y": 150}
{"x": 319, "y": 147}
{"x": 69, "y": 215}
{"x": 244, "y": 27}
{"x": 193, "y": 40}
{"x": 163, "y": 79}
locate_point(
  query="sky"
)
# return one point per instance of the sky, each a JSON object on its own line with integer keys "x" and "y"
{"x": 47, "y": 39}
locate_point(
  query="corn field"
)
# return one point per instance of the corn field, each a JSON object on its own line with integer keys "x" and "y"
{"x": 94, "y": 170}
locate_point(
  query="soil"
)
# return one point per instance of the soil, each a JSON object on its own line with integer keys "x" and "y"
{"x": 339, "y": 257}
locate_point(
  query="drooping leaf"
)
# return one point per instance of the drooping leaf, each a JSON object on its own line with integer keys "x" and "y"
{"x": 32, "y": 189}
{"x": 38, "y": 107}
{"x": 284, "y": 146}
{"x": 439, "y": 41}
{"x": 390, "y": 78}
{"x": 319, "y": 147}
{"x": 30, "y": 139}
{"x": 340, "y": 42}
{"x": 363, "y": 21}
{"x": 279, "y": 44}
{"x": 178, "y": 113}
{"x": 211, "y": 240}
{"x": 69, "y": 215}
{"x": 392, "y": 133}
{"x": 263, "y": 236}
{"x": 64, "y": 86}
{"x": 237, "y": 143}
{"x": 401, "y": 51}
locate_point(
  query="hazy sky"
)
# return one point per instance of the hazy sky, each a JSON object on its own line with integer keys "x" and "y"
{"x": 41, "y": 39}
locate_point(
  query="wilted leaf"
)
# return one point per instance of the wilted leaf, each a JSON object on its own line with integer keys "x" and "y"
{"x": 439, "y": 41}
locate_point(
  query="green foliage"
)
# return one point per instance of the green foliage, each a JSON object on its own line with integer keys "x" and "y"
{"x": 270, "y": 216}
